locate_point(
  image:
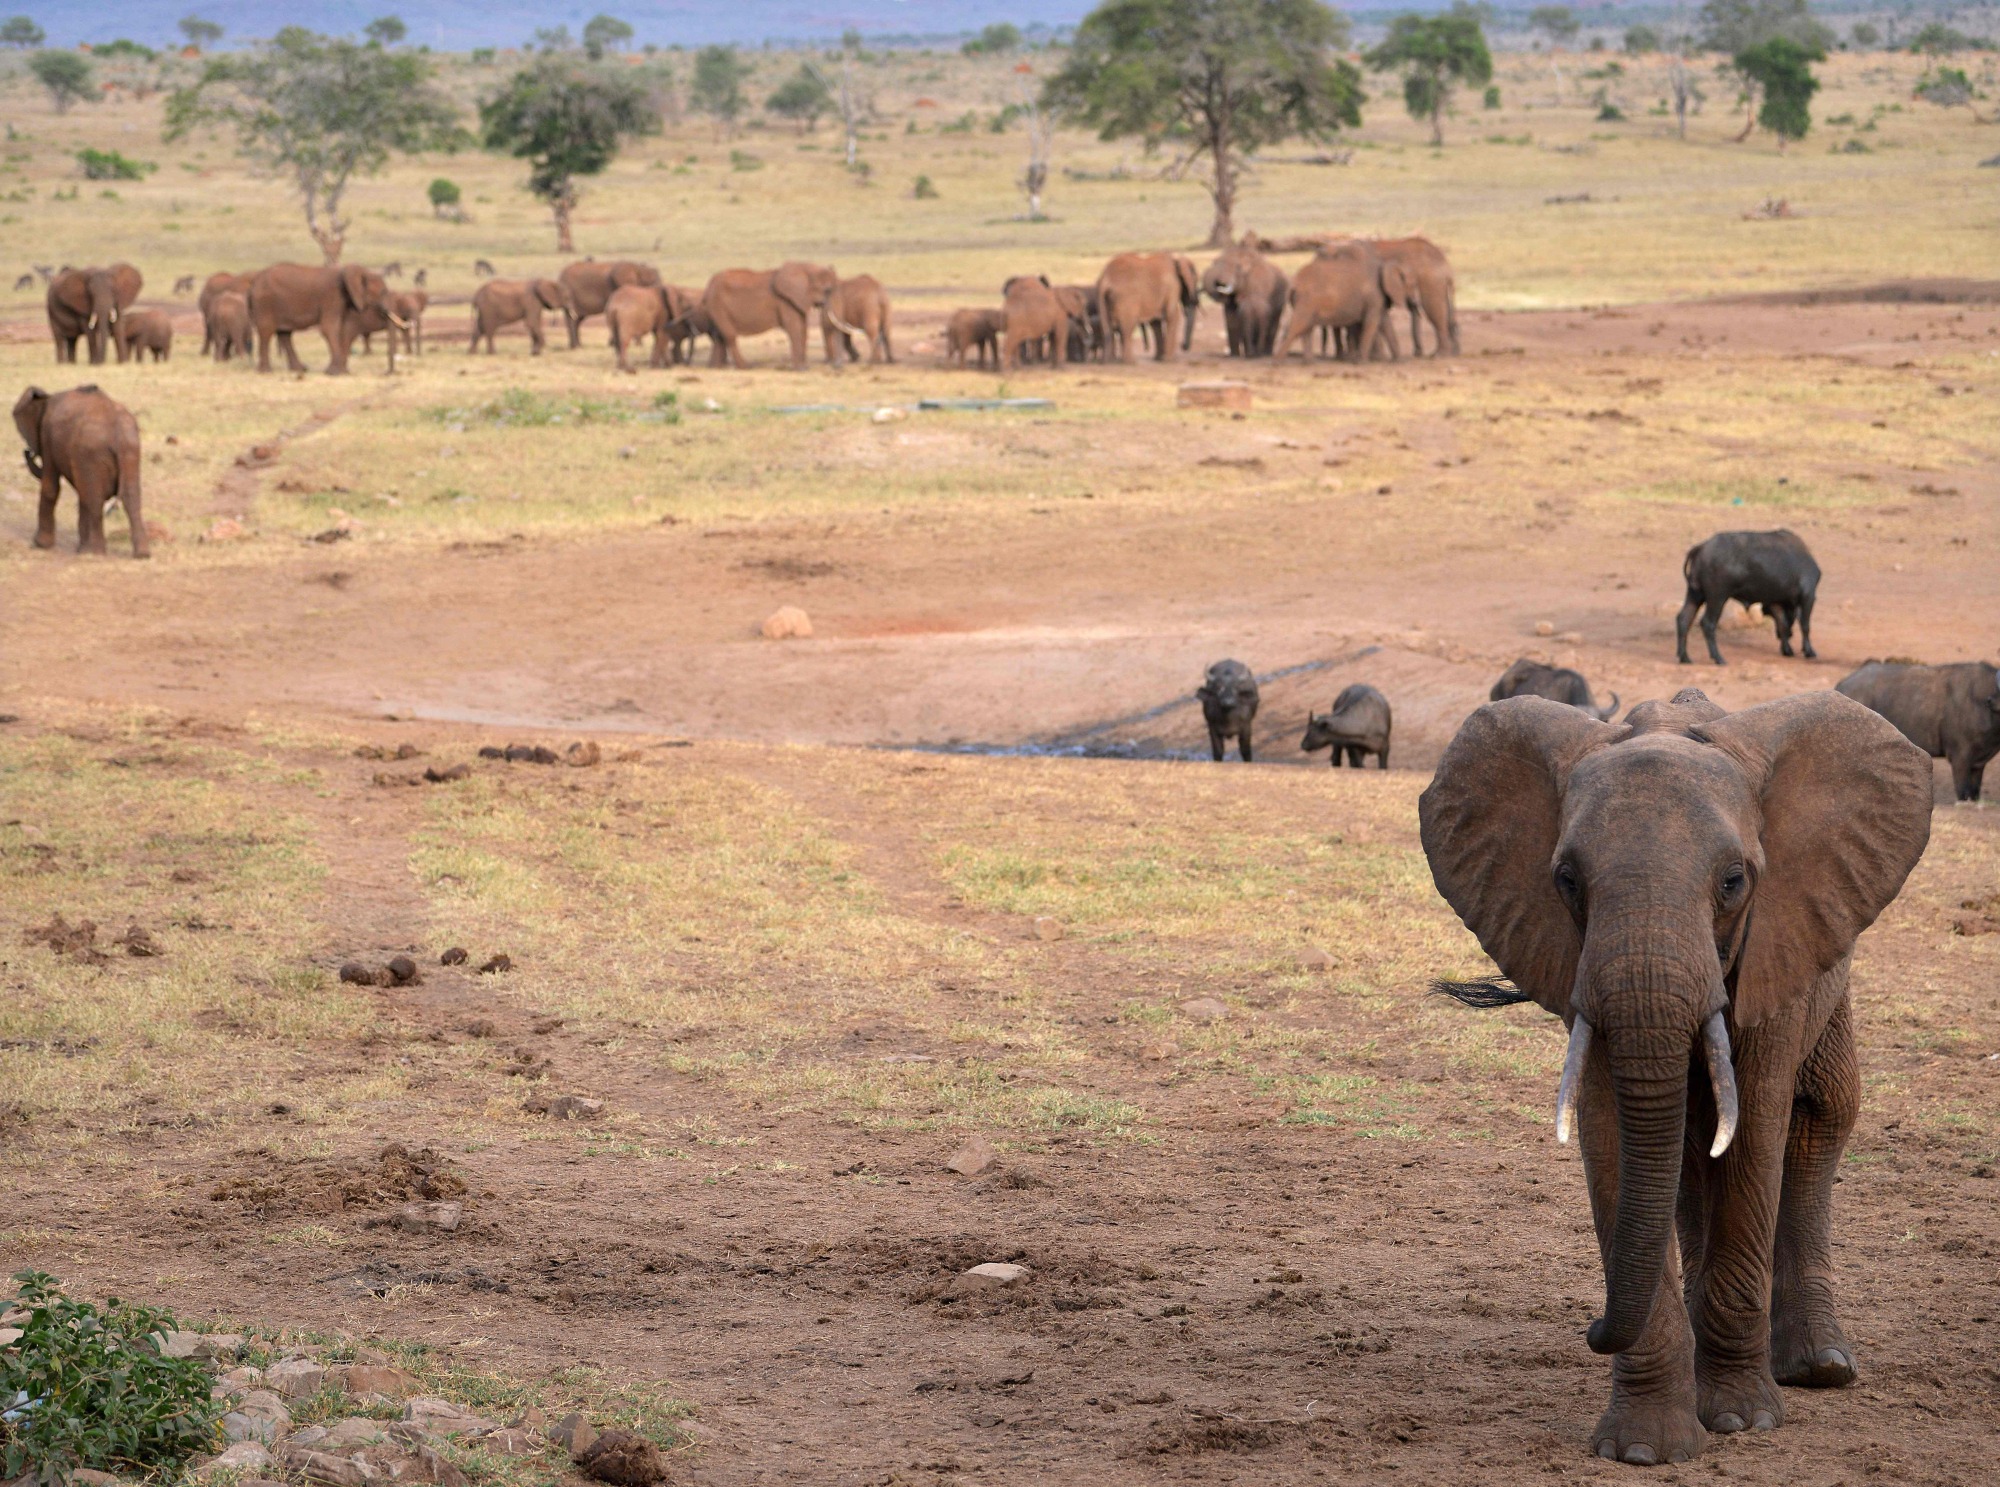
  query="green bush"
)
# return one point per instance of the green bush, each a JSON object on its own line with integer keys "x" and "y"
{"x": 744, "y": 160}
{"x": 88, "y": 1388}
{"x": 109, "y": 165}
{"x": 923, "y": 190}
{"x": 1491, "y": 98}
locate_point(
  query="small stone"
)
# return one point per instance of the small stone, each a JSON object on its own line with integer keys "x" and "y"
{"x": 429, "y": 1218}
{"x": 509, "y": 1442}
{"x": 260, "y": 1415}
{"x": 241, "y": 1380}
{"x": 889, "y": 415}
{"x": 973, "y": 1158}
{"x": 788, "y": 623}
{"x": 354, "y": 1432}
{"x": 1047, "y": 928}
{"x": 531, "y": 1418}
{"x": 992, "y": 1276}
{"x": 1158, "y": 1052}
{"x": 434, "y": 1416}
{"x": 225, "y": 529}
{"x": 9, "y": 1336}
{"x": 1313, "y": 958}
{"x": 574, "y": 1434}
{"x": 84, "y": 1476}
{"x": 1204, "y": 1009}
{"x": 455, "y": 956}
{"x": 295, "y": 1378}
{"x": 326, "y": 1468}
{"x": 380, "y": 1381}
{"x": 1545, "y": 627}
{"x": 404, "y": 970}
{"x": 624, "y": 1458}
{"x": 1232, "y": 396}
{"x": 583, "y": 754}
{"x": 1571, "y": 637}
{"x": 247, "y": 1458}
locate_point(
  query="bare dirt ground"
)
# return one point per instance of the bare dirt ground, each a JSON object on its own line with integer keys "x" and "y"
{"x": 1319, "y": 1236}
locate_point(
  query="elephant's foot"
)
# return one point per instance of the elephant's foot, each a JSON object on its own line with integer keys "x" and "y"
{"x": 1649, "y": 1432}
{"x": 1812, "y": 1353}
{"x": 1739, "y": 1400}
{"x": 45, "y": 539}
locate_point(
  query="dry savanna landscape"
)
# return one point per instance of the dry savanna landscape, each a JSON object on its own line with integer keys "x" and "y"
{"x": 747, "y": 993}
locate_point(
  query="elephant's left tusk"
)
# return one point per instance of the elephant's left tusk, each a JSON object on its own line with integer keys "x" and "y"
{"x": 399, "y": 322}
{"x": 1722, "y": 1077}
{"x": 840, "y": 324}
{"x": 1572, "y": 1080}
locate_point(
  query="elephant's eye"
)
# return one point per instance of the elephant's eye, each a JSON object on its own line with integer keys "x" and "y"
{"x": 1566, "y": 881}
{"x": 1734, "y": 881}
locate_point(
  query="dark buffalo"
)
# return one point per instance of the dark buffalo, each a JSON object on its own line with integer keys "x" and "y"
{"x": 1229, "y": 704}
{"x": 1953, "y": 711}
{"x": 1358, "y": 724}
{"x": 1527, "y": 678}
{"x": 1768, "y": 568}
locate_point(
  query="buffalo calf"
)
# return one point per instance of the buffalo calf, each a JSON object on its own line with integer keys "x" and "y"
{"x": 1527, "y": 678}
{"x": 1358, "y": 724}
{"x": 1229, "y": 705}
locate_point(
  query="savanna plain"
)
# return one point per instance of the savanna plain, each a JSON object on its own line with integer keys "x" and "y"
{"x": 824, "y": 911}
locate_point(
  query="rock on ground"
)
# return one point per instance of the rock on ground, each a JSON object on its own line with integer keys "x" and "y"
{"x": 623, "y": 1458}
{"x": 788, "y": 623}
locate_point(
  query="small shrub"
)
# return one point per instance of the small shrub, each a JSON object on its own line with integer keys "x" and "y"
{"x": 744, "y": 160}
{"x": 109, "y": 165}
{"x": 444, "y": 197}
{"x": 88, "y": 1389}
{"x": 1491, "y": 98}
{"x": 1853, "y": 147}
{"x": 1610, "y": 113}
{"x": 923, "y": 190}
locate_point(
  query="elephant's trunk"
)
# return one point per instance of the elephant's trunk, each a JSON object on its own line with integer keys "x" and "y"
{"x": 1649, "y": 1076}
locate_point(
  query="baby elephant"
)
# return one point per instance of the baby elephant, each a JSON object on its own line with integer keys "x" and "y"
{"x": 1527, "y": 678}
{"x": 1358, "y": 724}
{"x": 1950, "y": 712}
{"x": 1229, "y": 704}
{"x": 1768, "y": 568}
{"x": 140, "y": 331}
{"x": 91, "y": 441}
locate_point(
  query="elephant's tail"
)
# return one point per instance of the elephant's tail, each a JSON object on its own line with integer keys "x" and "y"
{"x": 1486, "y": 991}
{"x": 128, "y": 474}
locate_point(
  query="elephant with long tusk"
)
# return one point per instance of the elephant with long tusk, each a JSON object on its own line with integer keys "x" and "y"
{"x": 1684, "y": 889}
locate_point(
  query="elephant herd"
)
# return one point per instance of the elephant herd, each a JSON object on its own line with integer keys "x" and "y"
{"x": 1952, "y": 711}
{"x": 636, "y": 304}
{"x": 1344, "y": 298}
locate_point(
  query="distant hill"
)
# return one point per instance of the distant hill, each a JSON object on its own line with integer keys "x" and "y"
{"x": 457, "y": 25}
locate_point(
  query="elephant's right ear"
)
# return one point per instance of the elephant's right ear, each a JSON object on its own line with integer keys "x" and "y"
{"x": 28, "y": 410}
{"x": 1490, "y": 822}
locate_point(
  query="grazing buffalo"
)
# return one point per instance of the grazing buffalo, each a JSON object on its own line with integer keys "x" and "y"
{"x": 1358, "y": 724}
{"x": 1527, "y": 678}
{"x": 1952, "y": 712}
{"x": 1229, "y": 705}
{"x": 1768, "y": 568}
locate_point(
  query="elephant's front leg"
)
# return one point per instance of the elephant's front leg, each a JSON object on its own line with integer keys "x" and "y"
{"x": 1729, "y": 1295}
{"x": 1652, "y": 1417}
{"x": 1808, "y": 1348}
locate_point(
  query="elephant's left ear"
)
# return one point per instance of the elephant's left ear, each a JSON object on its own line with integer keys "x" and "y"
{"x": 354, "y": 282}
{"x": 1846, "y": 802}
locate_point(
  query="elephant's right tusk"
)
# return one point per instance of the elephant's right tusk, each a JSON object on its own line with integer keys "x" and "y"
{"x": 399, "y": 322}
{"x": 840, "y": 324}
{"x": 1722, "y": 1077}
{"x": 1572, "y": 1077}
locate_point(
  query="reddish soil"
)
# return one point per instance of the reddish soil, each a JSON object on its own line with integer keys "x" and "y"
{"x": 1237, "y": 1300}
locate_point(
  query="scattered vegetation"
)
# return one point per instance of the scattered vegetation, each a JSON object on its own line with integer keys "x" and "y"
{"x": 566, "y": 119}
{"x": 1436, "y": 55}
{"x": 109, "y": 165}
{"x": 88, "y": 1388}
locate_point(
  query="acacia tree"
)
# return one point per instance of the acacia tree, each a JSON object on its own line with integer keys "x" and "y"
{"x": 64, "y": 74}
{"x": 566, "y": 119}
{"x": 604, "y": 33}
{"x": 802, "y": 98}
{"x": 1435, "y": 54}
{"x": 717, "y": 88}
{"x": 1216, "y": 78}
{"x": 1560, "y": 25}
{"x": 200, "y": 33}
{"x": 321, "y": 110}
{"x": 1782, "y": 69}
{"x": 21, "y": 31}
